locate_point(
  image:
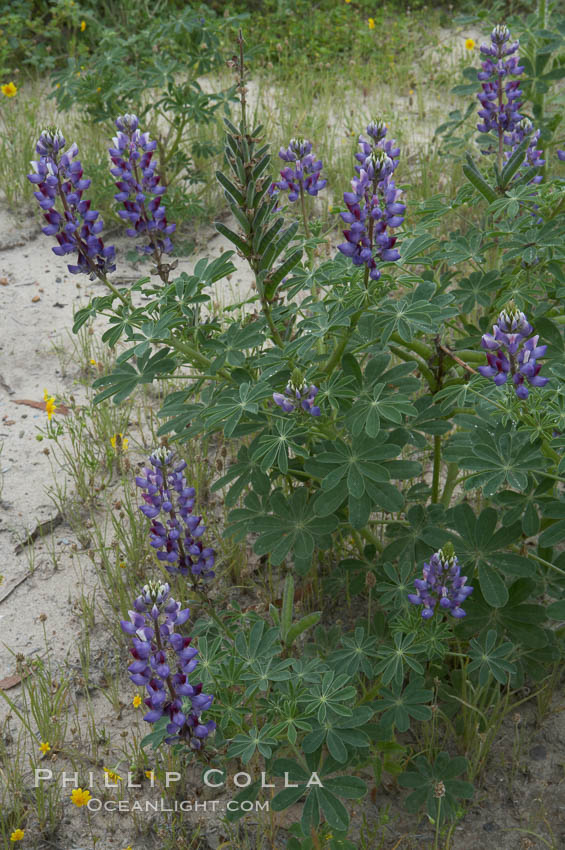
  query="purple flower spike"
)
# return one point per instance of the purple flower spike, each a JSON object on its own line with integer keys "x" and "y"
{"x": 298, "y": 398}
{"x": 500, "y": 99}
{"x": 304, "y": 177}
{"x": 561, "y": 155}
{"x": 176, "y": 539}
{"x": 76, "y": 227}
{"x": 442, "y": 585}
{"x": 140, "y": 188}
{"x": 156, "y": 650}
{"x": 511, "y": 353}
{"x": 373, "y": 207}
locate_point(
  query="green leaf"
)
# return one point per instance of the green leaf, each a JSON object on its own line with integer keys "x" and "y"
{"x": 493, "y": 587}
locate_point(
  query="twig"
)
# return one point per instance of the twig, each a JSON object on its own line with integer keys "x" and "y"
{"x": 458, "y": 359}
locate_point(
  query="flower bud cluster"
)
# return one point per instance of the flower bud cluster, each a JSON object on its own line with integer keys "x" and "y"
{"x": 510, "y": 352}
{"x": 373, "y": 207}
{"x": 293, "y": 398}
{"x": 163, "y": 660}
{"x": 441, "y": 585}
{"x": 306, "y": 174}
{"x": 177, "y": 538}
{"x": 140, "y": 188}
{"x": 59, "y": 177}
{"x": 500, "y": 98}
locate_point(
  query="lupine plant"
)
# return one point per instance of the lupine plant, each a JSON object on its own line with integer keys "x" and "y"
{"x": 414, "y": 489}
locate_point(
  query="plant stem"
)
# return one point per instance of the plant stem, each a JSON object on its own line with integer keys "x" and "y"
{"x": 450, "y": 482}
{"x": 437, "y": 469}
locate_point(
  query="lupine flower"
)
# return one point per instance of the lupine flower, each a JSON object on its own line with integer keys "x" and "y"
{"x": 178, "y": 541}
{"x": 441, "y": 583}
{"x": 17, "y": 835}
{"x": 500, "y": 98}
{"x": 293, "y": 398}
{"x": 9, "y": 90}
{"x": 80, "y": 797}
{"x": 140, "y": 188}
{"x": 76, "y": 227}
{"x": 163, "y": 660}
{"x": 304, "y": 176}
{"x": 373, "y": 206}
{"x": 510, "y": 352}
{"x": 561, "y": 155}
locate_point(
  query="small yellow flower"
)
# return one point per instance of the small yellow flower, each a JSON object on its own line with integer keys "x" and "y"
{"x": 50, "y": 405}
{"x": 9, "y": 89}
{"x": 58, "y": 86}
{"x": 80, "y": 797}
{"x": 469, "y": 43}
{"x": 93, "y": 362}
{"x": 82, "y": 26}
{"x": 99, "y": 88}
{"x": 111, "y": 775}
{"x": 149, "y": 775}
{"x": 371, "y": 23}
{"x": 45, "y": 747}
{"x": 123, "y": 565}
{"x": 348, "y": 1}
{"x": 119, "y": 442}
{"x": 17, "y": 835}
{"x": 136, "y": 701}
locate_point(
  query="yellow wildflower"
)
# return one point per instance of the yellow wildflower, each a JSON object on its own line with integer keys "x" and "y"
{"x": 50, "y": 405}
{"x": 348, "y": 1}
{"x": 45, "y": 747}
{"x": 469, "y": 43}
{"x": 111, "y": 775}
{"x": 17, "y": 835}
{"x": 123, "y": 565}
{"x": 119, "y": 442}
{"x": 136, "y": 701}
{"x": 99, "y": 88}
{"x": 80, "y": 797}
{"x": 149, "y": 775}
{"x": 93, "y": 362}
{"x": 82, "y": 26}
{"x": 9, "y": 90}
{"x": 371, "y": 23}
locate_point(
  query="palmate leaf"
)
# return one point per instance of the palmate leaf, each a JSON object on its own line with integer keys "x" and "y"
{"x": 341, "y": 735}
{"x": 479, "y": 545}
{"x": 398, "y": 705}
{"x": 318, "y": 799}
{"x": 360, "y": 472}
{"x": 424, "y": 782}
{"x": 519, "y": 620}
{"x": 396, "y": 657}
{"x": 272, "y": 450}
{"x": 284, "y": 525}
{"x": 501, "y": 456}
{"x": 125, "y": 378}
{"x": 232, "y": 404}
{"x": 245, "y": 473}
{"x": 422, "y": 536}
{"x": 356, "y": 654}
{"x": 370, "y": 408}
{"x": 489, "y": 659}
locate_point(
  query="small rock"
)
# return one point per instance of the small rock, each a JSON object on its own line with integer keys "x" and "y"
{"x": 490, "y": 826}
{"x": 538, "y": 753}
{"x": 35, "y": 299}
